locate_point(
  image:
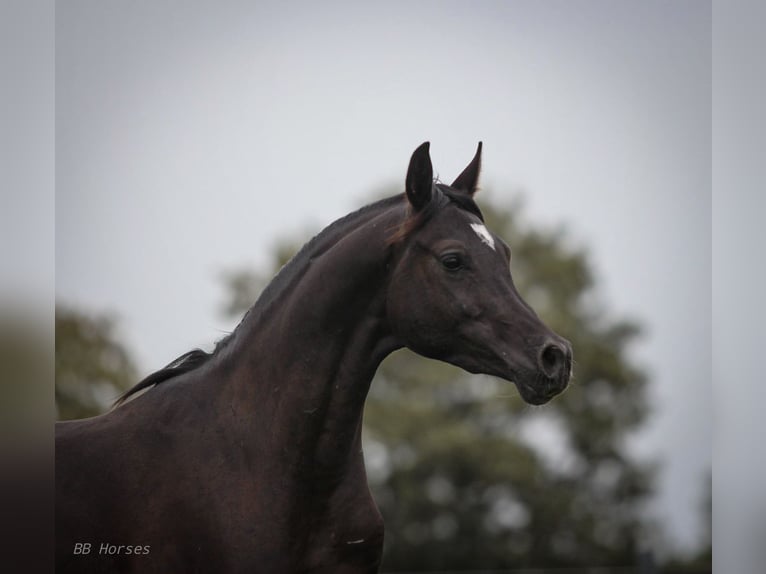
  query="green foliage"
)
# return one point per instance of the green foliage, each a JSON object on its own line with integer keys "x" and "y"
{"x": 25, "y": 369}
{"x": 92, "y": 366}
{"x": 468, "y": 476}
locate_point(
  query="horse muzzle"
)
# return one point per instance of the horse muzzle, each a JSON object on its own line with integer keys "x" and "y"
{"x": 554, "y": 371}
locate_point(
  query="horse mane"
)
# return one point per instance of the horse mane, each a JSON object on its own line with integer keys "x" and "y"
{"x": 292, "y": 271}
{"x": 183, "y": 364}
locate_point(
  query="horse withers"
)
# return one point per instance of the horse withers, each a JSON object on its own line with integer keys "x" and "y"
{"x": 249, "y": 458}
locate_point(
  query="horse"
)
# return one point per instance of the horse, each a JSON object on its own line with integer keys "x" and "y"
{"x": 249, "y": 458}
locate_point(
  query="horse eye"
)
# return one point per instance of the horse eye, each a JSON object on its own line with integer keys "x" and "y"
{"x": 452, "y": 262}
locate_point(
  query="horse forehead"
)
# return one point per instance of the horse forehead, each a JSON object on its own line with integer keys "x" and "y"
{"x": 460, "y": 223}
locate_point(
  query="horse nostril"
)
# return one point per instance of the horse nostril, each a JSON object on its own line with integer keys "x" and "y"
{"x": 553, "y": 360}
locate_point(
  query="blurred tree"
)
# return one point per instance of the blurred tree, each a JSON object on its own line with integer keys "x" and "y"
{"x": 92, "y": 366}
{"x": 468, "y": 476}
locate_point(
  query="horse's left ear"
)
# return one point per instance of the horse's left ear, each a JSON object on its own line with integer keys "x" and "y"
{"x": 469, "y": 179}
{"x": 420, "y": 177}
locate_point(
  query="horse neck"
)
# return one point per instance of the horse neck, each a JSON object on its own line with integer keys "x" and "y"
{"x": 306, "y": 362}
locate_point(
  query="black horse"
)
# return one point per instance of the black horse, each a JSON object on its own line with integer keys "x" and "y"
{"x": 249, "y": 458}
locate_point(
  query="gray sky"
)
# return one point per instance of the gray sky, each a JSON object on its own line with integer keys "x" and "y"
{"x": 190, "y": 137}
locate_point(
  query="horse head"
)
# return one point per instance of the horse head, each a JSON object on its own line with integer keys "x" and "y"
{"x": 451, "y": 295}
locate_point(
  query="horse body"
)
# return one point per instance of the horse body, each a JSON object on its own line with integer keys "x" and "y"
{"x": 252, "y": 460}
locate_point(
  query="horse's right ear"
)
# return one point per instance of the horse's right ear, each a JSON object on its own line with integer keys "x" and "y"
{"x": 469, "y": 178}
{"x": 420, "y": 177}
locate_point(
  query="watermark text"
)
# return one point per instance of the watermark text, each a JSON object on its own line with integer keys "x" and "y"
{"x": 107, "y": 549}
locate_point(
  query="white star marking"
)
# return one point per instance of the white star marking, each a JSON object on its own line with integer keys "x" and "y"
{"x": 484, "y": 234}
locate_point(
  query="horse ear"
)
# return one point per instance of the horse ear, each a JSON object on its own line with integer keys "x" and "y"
{"x": 469, "y": 179}
{"x": 420, "y": 177}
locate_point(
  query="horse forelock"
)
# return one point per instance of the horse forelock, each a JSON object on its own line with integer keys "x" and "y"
{"x": 442, "y": 196}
